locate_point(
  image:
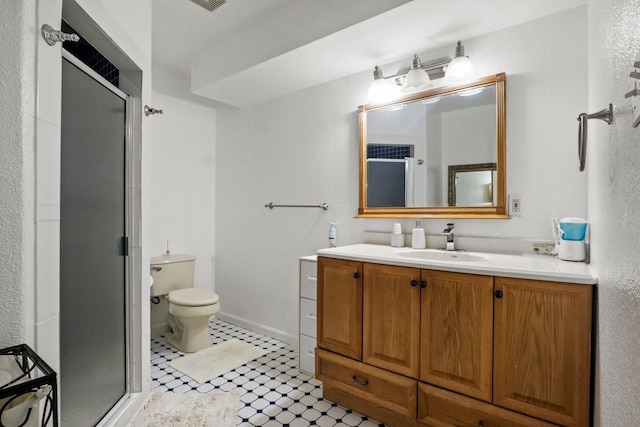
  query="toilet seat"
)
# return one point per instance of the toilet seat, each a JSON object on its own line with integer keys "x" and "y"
{"x": 193, "y": 297}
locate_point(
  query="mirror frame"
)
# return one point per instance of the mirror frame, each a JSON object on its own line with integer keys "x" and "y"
{"x": 498, "y": 211}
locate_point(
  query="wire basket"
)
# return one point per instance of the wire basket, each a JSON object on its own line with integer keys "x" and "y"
{"x": 25, "y": 381}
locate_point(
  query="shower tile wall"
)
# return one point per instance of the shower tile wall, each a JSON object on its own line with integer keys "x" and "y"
{"x": 273, "y": 391}
{"x": 389, "y": 151}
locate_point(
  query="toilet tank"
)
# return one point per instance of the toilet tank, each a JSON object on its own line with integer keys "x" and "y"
{"x": 171, "y": 272}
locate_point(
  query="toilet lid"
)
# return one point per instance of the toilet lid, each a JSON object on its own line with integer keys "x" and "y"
{"x": 192, "y": 297}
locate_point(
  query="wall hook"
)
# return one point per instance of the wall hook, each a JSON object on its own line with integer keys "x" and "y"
{"x": 149, "y": 110}
{"x": 634, "y": 92}
{"x": 635, "y": 74}
{"x": 52, "y": 36}
{"x": 605, "y": 114}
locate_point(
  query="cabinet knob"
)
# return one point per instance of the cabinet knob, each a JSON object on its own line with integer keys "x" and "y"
{"x": 498, "y": 294}
{"x": 414, "y": 283}
{"x": 356, "y": 275}
{"x": 423, "y": 284}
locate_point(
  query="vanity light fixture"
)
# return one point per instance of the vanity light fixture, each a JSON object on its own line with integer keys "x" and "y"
{"x": 413, "y": 79}
{"x": 431, "y": 100}
{"x": 417, "y": 78}
{"x": 461, "y": 67}
{"x": 470, "y": 92}
{"x": 381, "y": 89}
{"x": 396, "y": 107}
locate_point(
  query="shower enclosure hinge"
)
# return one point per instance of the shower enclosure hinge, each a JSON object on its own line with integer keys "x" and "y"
{"x": 52, "y": 36}
{"x": 125, "y": 246}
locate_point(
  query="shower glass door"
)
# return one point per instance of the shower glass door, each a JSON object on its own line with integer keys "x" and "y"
{"x": 93, "y": 338}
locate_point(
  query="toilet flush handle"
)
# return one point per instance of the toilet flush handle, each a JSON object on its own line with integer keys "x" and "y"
{"x": 154, "y": 268}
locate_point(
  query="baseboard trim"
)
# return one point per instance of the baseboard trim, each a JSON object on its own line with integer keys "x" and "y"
{"x": 256, "y": 327}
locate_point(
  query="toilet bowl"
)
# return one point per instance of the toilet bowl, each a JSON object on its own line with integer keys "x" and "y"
{"x": 189, "y": 313}
{"x": 189, "y": 308}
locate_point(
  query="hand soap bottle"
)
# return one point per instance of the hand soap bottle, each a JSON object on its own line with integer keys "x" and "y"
{"x": 332, "y": 235}
{"x": 418, "y": 240}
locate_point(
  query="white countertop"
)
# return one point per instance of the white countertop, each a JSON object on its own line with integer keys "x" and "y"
{"x": 521, "y": 266}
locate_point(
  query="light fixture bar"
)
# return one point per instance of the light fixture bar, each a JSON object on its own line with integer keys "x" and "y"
{"x": 434, "y": 67}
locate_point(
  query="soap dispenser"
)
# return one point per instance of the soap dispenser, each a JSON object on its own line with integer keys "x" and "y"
{"x": 418, "y": 240}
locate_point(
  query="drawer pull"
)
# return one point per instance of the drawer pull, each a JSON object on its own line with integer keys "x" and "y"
{"x": 312, "y": 316}
{"x": 356, "y": 275}
{"x": 359, "y": 381}
{"x": 480, "y": 424}
{"x": 414, "y": 283}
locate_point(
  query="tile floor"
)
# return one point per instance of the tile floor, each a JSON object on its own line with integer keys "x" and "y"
{"x": 273, "y": 391}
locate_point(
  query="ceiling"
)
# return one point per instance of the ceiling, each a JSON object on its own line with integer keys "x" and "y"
{"x": 249, "y": 51}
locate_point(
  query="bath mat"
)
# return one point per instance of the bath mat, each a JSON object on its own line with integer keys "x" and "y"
{"x": 216, "y": 360}
{"x": 189, "y": 410}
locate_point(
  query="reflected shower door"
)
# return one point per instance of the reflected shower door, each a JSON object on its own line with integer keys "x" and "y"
{"x": 92, "y": 262}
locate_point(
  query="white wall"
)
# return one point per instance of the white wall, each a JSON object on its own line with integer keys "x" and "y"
{"x": 181, "y": 190}
{"x": 302, "y": 148}
{"x": 17, "y": 133}
{"x": 614, "y": 202}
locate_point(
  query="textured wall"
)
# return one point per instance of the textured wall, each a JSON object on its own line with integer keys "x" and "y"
{"x": 614, "y": 203}
{"x": 303, "y": 148}
{"x": 16, "y": 186}
{"x": 181, "y": 163}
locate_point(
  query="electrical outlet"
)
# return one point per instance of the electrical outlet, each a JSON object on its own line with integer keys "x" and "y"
{"x": 542, "y": 248}
{"x": 516, "y": 207}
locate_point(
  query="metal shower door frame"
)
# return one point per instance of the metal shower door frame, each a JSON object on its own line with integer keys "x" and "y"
{"x": 132, "y": 223}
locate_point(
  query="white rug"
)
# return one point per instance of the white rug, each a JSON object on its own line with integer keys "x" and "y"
{"x": 189, "y": 410}
{"x": 216, "y": 360}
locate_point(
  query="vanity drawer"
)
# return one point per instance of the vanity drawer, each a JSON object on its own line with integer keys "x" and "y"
{"x": 309, "y": 279}
{"x": 438, "y": 407}
{"x": 308, "y": 317}
{"x": 307, "y": 354}
{"x": 382, "y": 395}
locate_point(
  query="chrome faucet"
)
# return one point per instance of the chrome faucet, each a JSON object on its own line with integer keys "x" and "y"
{"x": 449, "y": 233}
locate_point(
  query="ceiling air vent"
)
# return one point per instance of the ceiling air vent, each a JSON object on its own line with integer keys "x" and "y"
{"x": 210, "y": 5}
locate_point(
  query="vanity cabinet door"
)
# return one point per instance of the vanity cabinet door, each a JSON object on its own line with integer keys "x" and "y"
{"x": 457, "y": 332}
{"x": 340, "y": 306}
{"x": 391, "y": 318}
{"x": 542, "y": 349}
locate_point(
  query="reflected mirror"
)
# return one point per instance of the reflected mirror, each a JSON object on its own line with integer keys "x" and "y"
{"x": 437, "y": 153}
{"x": 472, "y": 185}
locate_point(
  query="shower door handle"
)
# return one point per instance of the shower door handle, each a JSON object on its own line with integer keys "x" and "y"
{"x": 124, "y": 248}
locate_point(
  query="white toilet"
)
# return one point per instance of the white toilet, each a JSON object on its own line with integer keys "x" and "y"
{"x": 189, "y": 308}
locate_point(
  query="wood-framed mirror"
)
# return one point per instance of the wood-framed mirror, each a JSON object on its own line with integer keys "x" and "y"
{"x": 409, "y": 147}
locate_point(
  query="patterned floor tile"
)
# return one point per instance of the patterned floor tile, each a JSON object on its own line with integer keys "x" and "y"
{"x": 274, "y": 393}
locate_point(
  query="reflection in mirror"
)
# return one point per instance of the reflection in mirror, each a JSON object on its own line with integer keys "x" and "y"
{"x": 408, "y": 146}
{"x": 472, "y": 185}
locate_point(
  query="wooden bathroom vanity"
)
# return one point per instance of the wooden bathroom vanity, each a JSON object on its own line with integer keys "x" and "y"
{"x": 495, "y": 340}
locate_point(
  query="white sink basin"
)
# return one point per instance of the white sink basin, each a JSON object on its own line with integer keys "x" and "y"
{"x": 431, "y": 255}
